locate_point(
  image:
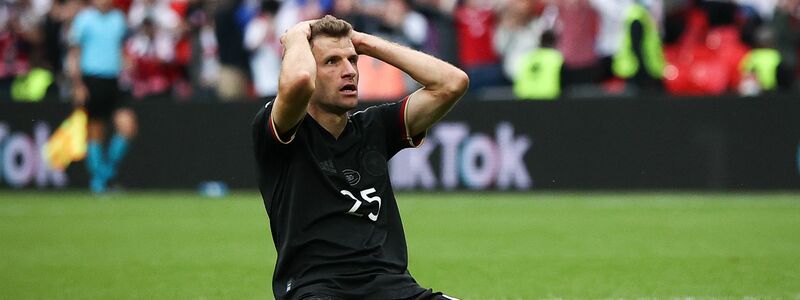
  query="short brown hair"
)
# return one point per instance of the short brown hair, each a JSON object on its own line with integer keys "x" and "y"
{"x": 330, "y": 26}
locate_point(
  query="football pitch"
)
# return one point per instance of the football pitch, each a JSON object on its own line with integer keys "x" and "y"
{"x": 179, "y": 245}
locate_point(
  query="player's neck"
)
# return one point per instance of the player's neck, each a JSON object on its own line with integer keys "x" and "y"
{"x": 333, "y": 123}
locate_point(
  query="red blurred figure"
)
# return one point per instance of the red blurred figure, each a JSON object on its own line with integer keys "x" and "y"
{"x": 705, "y": 60}
{"x": 475, "y": 24}
{"x": 152, "y": 54}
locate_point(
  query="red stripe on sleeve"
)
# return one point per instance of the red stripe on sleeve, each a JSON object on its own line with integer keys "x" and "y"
{"x": 274, "y": 132}
{"x": 405, "y": 134}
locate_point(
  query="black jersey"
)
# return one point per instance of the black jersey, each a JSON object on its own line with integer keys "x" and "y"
{"x": 332, "y": 211}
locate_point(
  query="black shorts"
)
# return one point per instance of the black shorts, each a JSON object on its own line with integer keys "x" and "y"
{"x": 104, "y": 97}
{"x": 428, "y": 294}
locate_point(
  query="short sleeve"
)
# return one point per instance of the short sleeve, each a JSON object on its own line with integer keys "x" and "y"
{"x": 264, "y": 132}
{"x": 392, "y": 117}
{"x": 77, "y": 30}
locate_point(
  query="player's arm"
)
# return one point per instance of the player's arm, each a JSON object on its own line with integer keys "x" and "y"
{"x": 79, "y": 90}
{"x": 296, "y": 82}
{"x": 442, "y": 83}
{"x": 73, "y": 61}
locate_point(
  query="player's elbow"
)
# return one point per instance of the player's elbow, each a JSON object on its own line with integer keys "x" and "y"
{"x": 299, "y": 83}
{"x": 457, "y": 84}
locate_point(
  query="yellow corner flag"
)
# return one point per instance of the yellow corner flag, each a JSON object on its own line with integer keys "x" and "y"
{"x": 68, "y": 142}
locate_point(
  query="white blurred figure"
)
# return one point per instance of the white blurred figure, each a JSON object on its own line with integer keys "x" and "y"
{"x": 612, "y": 22}
{"x": 764, "y": 8}
{"x": 293, "y": 11}
{"x": 413, "y": 27}
{"x": 612, "y": 19}
{"x": 261, "y": 40}
{"x": 519, "y": 32}
{"x": 152, "y": 52}
{"x": 159, "y": 11}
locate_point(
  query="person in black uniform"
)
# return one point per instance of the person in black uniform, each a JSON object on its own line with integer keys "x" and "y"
{"x": 323, "y": 172}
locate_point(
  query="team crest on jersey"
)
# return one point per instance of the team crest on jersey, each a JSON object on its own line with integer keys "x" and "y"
{"x": 351, "y": 176}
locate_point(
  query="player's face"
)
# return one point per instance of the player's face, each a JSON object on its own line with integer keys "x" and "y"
{"x": 337, "y": 75}
{"x": 103, "y": 5}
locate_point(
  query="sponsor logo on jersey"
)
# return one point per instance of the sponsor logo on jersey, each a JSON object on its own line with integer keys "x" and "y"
{"x": 327, "y": 166}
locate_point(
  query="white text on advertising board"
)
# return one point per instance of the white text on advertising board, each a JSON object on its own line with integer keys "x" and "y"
{"x": 472, "y": 160}
{"x": 21, "y": 162}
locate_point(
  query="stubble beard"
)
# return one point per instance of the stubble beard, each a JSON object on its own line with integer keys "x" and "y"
{"x": 334, "y": 107}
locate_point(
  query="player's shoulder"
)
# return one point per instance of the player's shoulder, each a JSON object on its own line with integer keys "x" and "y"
{"x": 262, "y": 114}
{"x": 86, "y": 14}
{"x": 118, "y": 15}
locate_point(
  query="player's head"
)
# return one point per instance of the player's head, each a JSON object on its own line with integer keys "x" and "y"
{"x": 337, "y": 76}
{"x": 103, "y": 5}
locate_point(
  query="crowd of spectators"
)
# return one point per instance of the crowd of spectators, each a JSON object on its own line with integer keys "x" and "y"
{"x": 229, "y": 50}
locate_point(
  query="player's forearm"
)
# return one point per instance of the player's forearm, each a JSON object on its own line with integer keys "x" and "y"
{"x": 434, "y": 74}
{"x": 74, "y": 65}
{"x": 299, "y": 69}
{"x": 296, "y": 82}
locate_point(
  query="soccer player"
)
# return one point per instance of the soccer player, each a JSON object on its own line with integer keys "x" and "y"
{"x": 95, "y": 62}
{"x": 323, "y": 171}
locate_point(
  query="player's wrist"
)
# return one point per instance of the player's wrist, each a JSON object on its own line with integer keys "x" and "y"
{"x": 364, "y": 43}
{"x": 295, "y": 38}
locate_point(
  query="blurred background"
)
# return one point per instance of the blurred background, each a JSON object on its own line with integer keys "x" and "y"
{"x": 228, "y": 50}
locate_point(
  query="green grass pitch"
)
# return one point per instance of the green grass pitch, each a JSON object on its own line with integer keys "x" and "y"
{"x": 178, "y": 245}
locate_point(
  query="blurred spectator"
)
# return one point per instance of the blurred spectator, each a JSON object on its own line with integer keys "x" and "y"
{"x": 55, "y": 28}
{"x": 403, "y": 25}
{"x": 233, "y": 77}
{"x": 475, "y": 24}
{"x": 260, "y": 38}
{"x": 761, "y": 9}
{"x": 33, "y": 76}
{"x": 387, "y": 18}
{"x": 123, "y": 5}
{"x": 706, "y": 57}
{"x": 350, "y": 11}
{"x": 518, "y": 33}
{"x": 203, "y": 67}
{"x": 540, "y": 71}
{"x": 208, "y": 49}
{"x": 442, "y": 40}
{"x": 576, "y": 26}
{"x": 640, "y": 57}
{"x": 293, "y": 11}
{"x": 786, "y": 26}
{"x": 20, "y": 40}
{"x": 762, "y": 68}
{"x": 152, "y": 52}
{"x": 182, "y": 88}
{"x": 609, "y": 36}
{"x": 159, "y": 12}
{"x": 614, "y": 15}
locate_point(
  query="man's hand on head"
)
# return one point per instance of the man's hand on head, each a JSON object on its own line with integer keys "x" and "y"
{"x": 358, "y": 39}
{"x": 302, "y": 29}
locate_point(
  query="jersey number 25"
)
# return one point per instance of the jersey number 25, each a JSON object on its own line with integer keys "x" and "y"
{"x": 366, "y": 196}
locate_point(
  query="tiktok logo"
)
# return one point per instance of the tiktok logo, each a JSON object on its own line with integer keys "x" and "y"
{"x": 473, "y": 160}
{"x": 21, "y": 160}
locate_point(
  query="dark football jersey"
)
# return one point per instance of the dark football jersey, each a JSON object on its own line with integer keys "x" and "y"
{"x": 332, "y": 211}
